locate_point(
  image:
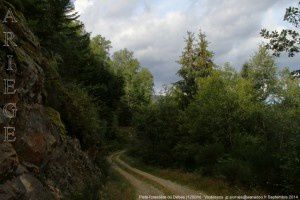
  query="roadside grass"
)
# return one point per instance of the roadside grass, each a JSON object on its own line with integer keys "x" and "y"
{"x": 117, "y": 188}
{"x": 207, "y": 185}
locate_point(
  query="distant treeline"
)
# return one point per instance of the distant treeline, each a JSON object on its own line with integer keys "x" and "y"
{"x": 241, "y": 126}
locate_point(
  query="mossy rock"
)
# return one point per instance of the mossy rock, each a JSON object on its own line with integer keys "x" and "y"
{"x": 54, "y": 117}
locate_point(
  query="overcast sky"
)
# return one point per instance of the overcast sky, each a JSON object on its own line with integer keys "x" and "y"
{"x": 155, "y": 29}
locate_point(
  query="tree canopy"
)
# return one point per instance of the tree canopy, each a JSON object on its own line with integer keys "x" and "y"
{"x": 287, "y": 40}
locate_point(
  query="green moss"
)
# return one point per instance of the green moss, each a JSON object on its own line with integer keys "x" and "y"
{"x": 54, "y": 117}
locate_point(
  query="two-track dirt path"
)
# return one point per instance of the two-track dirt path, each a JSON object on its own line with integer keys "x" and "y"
{"x": 141, "y": 187}
{"x": 148, "y": 184}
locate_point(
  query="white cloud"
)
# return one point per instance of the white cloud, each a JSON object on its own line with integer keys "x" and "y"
{"x": 155, "y": 29}
{"x": 82, "y": 5}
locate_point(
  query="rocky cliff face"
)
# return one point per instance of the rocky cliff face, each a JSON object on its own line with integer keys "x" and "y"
{"x": 43, "y": 163}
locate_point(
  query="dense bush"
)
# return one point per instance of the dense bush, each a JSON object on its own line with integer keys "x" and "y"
{"x": 82, "y": 117}
{"x": 155, "y": 147}
{"x": 235, "y": 170}
{"x": 211, "y": 154}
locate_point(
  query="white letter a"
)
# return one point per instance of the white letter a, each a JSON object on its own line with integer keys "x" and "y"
{"x": 9, "y": 15}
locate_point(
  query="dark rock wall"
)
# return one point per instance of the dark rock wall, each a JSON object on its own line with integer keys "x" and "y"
{"x": 43, "y": 163}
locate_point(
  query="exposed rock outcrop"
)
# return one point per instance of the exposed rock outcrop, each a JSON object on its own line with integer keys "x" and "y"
{"x": 43, "y": 163}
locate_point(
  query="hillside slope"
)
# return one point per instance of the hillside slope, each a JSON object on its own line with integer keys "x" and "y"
{"x": 43, "y": 162}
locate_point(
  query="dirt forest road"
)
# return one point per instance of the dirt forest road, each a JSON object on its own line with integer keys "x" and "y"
{"x": 149, "y": 185}
{"x": 141, "y": 187}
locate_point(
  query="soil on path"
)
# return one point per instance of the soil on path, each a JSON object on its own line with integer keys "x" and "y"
{"x": 144, "y": 188}
{"x": 141, "y": 187}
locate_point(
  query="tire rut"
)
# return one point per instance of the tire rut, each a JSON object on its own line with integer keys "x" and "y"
{"x": 174, "y": 188}
{"x": 141, "y": 187}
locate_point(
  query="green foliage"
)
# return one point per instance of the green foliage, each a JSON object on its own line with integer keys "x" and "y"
{"x": 82, "y": 117}
{"x": 55, "y": 23}
{"x": 79, "y": 81}
{"x": 211, "y": 154}
{"x": 243, "y": 127}
{"x": 138, "y": 83}
{"x": 155, "y": 144}
{"x": 216, "y": 110}
{"x": 261, "y": 69}
{"x": 196, "y": 61}
{"x": 78, "y": 110}
{"x": 101, "y": 46}
{"x": 235, "y": 170}
{"x": 79, "y": 60}
{"x": 287, "y": 40}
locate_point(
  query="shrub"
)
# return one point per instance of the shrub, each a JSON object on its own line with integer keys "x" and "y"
{"x": 235, "y": 171}
{"x": 208, "y": 156}
{"x": 82, "y": 118}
